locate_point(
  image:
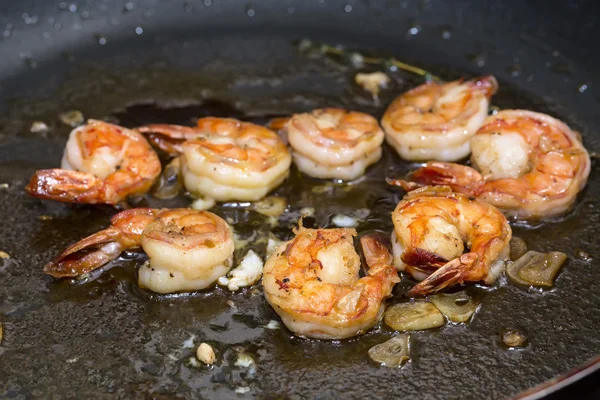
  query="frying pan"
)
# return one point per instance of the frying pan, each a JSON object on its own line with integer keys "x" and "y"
{"x": 142, "y": 61}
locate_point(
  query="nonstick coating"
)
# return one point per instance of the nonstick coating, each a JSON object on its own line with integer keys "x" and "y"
{"x": 141, "y": 61}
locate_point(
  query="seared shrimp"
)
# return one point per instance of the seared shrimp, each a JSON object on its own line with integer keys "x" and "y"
{"x": 436, "y": 121}
{"x": 530, "y": 165}
{"x": 432, "y": 228}
{"x": 102, "y": 164}
{"x": 188, "y": 249}
{"x": 313, "y": 283}
{"x": 225, "y": 159}
{"x": 332, "y": 143}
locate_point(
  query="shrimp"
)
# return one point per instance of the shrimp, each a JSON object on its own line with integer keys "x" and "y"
{"x": 225, "y": 159}
{"x": 332, "y": 143}
{"x": 436, "y": 121}
{"x": 102, "y": 164}
{"x": 313, "y": 283}
{"x": 432, "y": 228}
{"x": 528, "y": 164}
{"x": 188, "y": 249}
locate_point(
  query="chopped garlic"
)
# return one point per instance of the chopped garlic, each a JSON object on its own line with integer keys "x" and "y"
{"x": 307, "y": 211}
{"x": 4, "y": 254}
{"x": 373, "y": 82}
{"x": 272, "y": 324}
{"x": 242, "y": 389}
{"x": 189, "y": 343}
{"x": 38, "y": 127}
{"x": 72, "y": 118}
{"x": 206, "y": 354}
{"x": 272, "y": 245}
{"x": 203, "y": 204}
{"x": 272, "y": 206}
{"x": 244, "y": 361}
{"x": 344, "y": 221}
{"x": 247, "y": 273}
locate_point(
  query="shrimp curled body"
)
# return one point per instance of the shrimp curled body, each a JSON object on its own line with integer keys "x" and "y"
{"x": 225, "y": 159}
{"x": 432, "y": 228}
{"x": 102, "y": 164}
{"x": 436, "y": 121}
{"x": 528, "y": 164}
{"x": 188, "y": 249}
{"x": 332, "y": 143}
{"x": 313, "y": 283}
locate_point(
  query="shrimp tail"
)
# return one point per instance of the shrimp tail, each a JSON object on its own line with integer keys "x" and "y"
{"x": 169, "y": 138}
{"x": 460, "y": 178}
{"x": 376, "y": 249}
{"x": 89, "y": 254}
{"x": 450, "y": 274}
{"x": 277, "y": 124}
{"x": 66, "y": 186}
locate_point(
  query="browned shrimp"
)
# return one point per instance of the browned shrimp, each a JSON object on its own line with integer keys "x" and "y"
{"x": 225, "y": 159}
{"x": 333, "y": 143}
{"x": 313, "y": 283}
{"x": 530, "y": 166}
{"x": 432, "y": 228}
{"x": 436, "y": 121}
{"x": 188, "y": 249}
{"x": 102, "y": 164}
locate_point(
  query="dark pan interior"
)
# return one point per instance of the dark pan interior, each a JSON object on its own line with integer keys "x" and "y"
{"x": 142, "y": 62}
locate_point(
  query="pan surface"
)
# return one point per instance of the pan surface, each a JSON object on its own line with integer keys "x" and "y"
{"x": 141, "y": 62}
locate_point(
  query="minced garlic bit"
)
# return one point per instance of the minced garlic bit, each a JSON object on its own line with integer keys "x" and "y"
{"x": 39, "y": 127}
{"x": 272, "y": 206}
{"x": 247, "y": 273}
{"x": 372, "y": 82}
{"x": 244, "y": 360}
{"x": 272, "y": 325}
{"x": 72, "y": 118}
{"x": 203, "y": 204}
{"x": 307, "y": 211}
{"x": 242, "y": 389}
{"x": 4, "y": 254}
{"x": 344, "y": 221}
{"x": 206, "y": 354}
{"x": 272, "y": 245}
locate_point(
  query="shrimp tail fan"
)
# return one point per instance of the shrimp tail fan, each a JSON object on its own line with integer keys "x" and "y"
{"x": 87, "y": 255}
{"x": 64, "y": 185}
{"x": 460, "y": 178}
{"x": 450, "y": 274}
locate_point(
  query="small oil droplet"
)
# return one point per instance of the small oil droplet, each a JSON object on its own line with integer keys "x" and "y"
{"x": 514, "y": 70}
{"x": 477, "y": 59}
{"x": 139, "y": 30}
{"x": 446, "y": 34}
{"x": 250, "y": 10}
{"x": 348, "y": 8}
{"x": 207, "y": 2}
{"x": 128, "y": 6}
{"x": 101, "y": 39}
{"x": 413, "y": 30}
{"x": 582, "y": 88}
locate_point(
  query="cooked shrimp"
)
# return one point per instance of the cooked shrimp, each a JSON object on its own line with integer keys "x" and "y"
{"x": 188, "y": 249}
{"x": 313, "y": 283}
{"x": 436, "y": 121}
{"x": 332, "y": 143}
{"x": 432, "y": 228}
{"x": 225, "y": 159}
{"x": 102, "y": 164}
{"x": 530, "y": 165}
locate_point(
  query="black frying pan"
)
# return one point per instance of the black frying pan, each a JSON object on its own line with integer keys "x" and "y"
{"x": 148, "y": 61}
